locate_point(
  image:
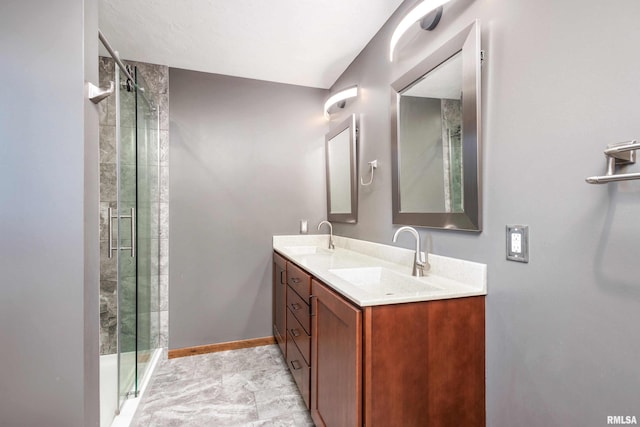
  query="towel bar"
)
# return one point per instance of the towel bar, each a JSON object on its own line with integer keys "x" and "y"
{"x": 623, "y": 153}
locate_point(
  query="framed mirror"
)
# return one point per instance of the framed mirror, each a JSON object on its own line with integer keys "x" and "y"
{"x": 341, "y": 159}
{"x": 435, "y": 122}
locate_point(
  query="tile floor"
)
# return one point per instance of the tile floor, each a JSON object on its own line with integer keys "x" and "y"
{"x": 248, "y": 387}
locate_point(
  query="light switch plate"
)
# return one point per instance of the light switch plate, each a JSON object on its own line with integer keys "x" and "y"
{"x": 518, "y": 243}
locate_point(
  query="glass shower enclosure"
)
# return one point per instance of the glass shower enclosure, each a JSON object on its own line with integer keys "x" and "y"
{"x": 134, "y": 231}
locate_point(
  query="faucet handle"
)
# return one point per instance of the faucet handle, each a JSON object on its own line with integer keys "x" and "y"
{"x": 422, "y": 261}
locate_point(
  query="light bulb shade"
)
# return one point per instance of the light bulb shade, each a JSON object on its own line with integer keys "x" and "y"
{"x": 414, "y": 15}
{"x": 341, "y": 96}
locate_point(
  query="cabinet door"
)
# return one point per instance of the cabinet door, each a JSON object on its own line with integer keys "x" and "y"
{"x": 280, "y": 302}
{"x": 336, "y": 360}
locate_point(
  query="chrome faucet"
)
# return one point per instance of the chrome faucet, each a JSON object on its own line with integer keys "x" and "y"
{"x": 331, "y": 245}
{"x": 420, "y": 264}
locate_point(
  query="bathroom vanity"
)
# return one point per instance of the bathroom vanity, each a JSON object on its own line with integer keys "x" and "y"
{"x": 368, "y": 344}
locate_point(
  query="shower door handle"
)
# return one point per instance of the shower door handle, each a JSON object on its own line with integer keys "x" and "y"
{"x": 110, "y": 227}
{"x": 133, "y": 232}
{"x": 132, "y": 217}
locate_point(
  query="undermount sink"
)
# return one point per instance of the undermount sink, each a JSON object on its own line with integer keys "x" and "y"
{"x": 307, "y": 250}
{"x": 383, "y": 280}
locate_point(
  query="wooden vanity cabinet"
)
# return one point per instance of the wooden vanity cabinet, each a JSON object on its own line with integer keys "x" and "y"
{"x": 280, "y": 302}
{"x": 412, "y": 364}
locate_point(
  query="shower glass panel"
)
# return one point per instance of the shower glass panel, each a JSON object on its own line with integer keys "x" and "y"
{"x": 137, "y": 232}
{"x": 147, "y": 208}
{"x": 126, "y": 217}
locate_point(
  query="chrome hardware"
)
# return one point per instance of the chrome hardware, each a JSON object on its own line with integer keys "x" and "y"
{"x": 620, "y": 154}
{"x": 110, "y": 227}
{"x": 624, "y": 151}
{"x": 604, "y": 179}
{"x": 331, "y": 245}
{"x": 420, "y": 264}
{"x": 115, "y": 56}
{"x": 133, "y": 232}
{"x": 132, "y": 247}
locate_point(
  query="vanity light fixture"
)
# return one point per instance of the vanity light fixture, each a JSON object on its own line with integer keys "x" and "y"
{"x": 422, "y": 9}
{"x": 339, "y": 99}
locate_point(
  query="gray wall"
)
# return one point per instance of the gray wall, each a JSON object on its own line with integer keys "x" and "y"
{"x": 246, "y": 163}
{"x": 48, "y": 214}
{"x": 559, "y": 83}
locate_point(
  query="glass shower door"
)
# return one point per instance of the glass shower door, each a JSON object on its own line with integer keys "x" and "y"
{"x": 147, "y": 206}
{"x": 126, "y": 236}
{"x": 138, "y": 232}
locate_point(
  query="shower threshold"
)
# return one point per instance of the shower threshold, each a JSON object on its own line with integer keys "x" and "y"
{"x": 130, "y": 406}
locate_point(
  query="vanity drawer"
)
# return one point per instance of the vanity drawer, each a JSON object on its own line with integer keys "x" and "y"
{"x": 299, "y": 369}
{"x": 299, "y": 280}
{"x": 299, "y": 335}
{"x": 299, "y": 308}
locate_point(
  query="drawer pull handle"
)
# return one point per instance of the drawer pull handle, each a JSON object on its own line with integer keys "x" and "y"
{"x": 295, "y": 306}
{"x": 295, "y": 365}
{"x": 295, "y": 333}
{"x": 282, "y": 281}
{"x": 295, "y": 280}
{"x": 311, "y": 298}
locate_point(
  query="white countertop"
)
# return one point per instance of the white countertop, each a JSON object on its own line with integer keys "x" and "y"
{"x": 374, "y": 274}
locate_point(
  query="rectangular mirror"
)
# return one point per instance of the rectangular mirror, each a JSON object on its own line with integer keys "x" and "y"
{"x": 341, "y": 157}
{"x": 435, "y": 124}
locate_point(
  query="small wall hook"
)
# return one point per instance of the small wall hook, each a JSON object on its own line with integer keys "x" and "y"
{"x": 96, "y": 94}
{"x": 372, "y": 166}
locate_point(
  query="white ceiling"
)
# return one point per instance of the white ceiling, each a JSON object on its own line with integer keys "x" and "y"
{"x": 301, "y": 42}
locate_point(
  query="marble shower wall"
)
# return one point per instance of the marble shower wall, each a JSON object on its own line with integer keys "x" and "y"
{"x": 157, "y": 79}
{"x": 452, "y": 154}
